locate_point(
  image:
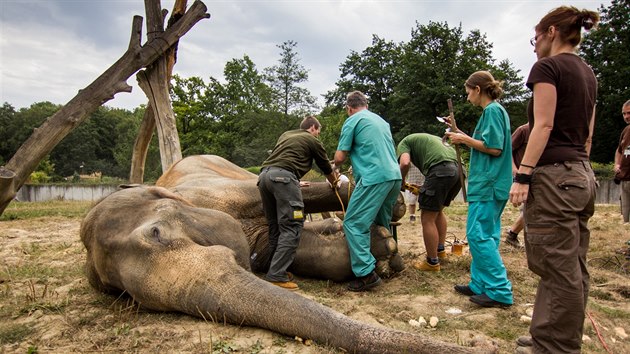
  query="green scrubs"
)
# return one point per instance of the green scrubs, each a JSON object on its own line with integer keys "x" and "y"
{"x": 489, "y": 185}
{"x": 368, "y": 140}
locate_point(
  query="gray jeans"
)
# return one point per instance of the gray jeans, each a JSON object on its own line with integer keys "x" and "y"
{"x": 284, "y": 210}
{"x": 561, "y": 200}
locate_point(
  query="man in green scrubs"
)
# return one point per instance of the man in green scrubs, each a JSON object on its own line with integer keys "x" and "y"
{"x": 366, "y": 138}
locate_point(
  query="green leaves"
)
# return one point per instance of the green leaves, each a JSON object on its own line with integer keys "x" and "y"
{"x": 606, "y": 50}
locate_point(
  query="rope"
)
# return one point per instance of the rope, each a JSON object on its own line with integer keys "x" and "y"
{"x": 599, "y": 335}
{"x": 343, "y": 209}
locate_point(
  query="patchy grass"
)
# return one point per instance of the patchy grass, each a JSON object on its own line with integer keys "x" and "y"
{"x": 46, "y": 304}
{"x": 25, "y": 210}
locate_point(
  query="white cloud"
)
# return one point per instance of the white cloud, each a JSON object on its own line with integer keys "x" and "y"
{"x": 50, "y": 49}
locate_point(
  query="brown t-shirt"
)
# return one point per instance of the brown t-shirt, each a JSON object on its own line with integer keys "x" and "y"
{"x": 519, "y": 143}
{"x": 576, "y": 88}
{"x": 624, "y": 150}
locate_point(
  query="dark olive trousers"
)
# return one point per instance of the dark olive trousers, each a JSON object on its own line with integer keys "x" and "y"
{"x": 561, "y": 200}
{"x": 284, "y": 210}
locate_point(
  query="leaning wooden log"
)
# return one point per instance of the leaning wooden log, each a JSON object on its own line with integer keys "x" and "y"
{"x": 103, "y": 89}
{"x": 141, "y": 146}
{"x": 154, "y": 81}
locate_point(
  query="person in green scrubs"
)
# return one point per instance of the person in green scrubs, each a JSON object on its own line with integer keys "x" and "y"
{"x": 366, "y": 138}
{"x": 489, "y": 182}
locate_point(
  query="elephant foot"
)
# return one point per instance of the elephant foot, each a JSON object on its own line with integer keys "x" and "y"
{"x": 385, "y": 250}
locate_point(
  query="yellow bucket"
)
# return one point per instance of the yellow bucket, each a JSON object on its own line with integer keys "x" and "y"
{"x": 457, "y": 249}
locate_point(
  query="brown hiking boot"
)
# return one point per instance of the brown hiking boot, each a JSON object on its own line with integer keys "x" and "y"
{"x": 442, "y": 256}
{"x": 288, "y": 285}
{"x": 425, "y": 266}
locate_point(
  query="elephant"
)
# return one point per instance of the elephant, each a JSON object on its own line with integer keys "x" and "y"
{"x": 215, "y": 183}
{"x": 189, "y": 244}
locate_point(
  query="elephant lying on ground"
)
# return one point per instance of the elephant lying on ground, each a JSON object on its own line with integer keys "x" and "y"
{"x": 186, "y": 249}
{"x": 215, "y": 183}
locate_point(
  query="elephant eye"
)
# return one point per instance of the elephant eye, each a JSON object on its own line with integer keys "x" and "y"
{"x": 155, "y": 232}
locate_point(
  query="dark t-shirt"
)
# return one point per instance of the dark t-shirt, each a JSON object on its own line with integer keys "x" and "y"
{"x": 624, "y": 150}
{"x": 576, "y": 88}
{"x": 519, "y": 143}
{"x": 295, "y": 152}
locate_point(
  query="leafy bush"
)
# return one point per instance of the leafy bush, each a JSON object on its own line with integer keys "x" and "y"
{"x": 254, "y": 169}
{"x": 603, "y": 170}
{"x": 39, "y": 177}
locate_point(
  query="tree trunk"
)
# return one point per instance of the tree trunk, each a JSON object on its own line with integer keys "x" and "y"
{"x": 103, "y": 89}
{"x": 141, "y": 146}
{"x": 154, "y": 81}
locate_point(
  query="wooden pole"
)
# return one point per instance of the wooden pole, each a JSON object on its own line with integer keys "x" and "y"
{"x": 460, "y": 166}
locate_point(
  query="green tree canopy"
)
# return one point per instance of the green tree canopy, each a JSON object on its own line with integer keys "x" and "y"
{"x": 285, "y": 79}
{"x": 409, "y": 83}
{"x": 606, "y": 49}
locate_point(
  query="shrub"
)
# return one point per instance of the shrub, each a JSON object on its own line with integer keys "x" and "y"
{"x": 603, "y": 170}
{"x": 39, "y": 177}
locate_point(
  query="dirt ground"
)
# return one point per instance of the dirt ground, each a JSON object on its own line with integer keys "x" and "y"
{"x": 47, "y": 306}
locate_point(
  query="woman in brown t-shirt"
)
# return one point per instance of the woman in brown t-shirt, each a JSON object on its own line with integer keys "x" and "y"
{"x": 556, "y": 179}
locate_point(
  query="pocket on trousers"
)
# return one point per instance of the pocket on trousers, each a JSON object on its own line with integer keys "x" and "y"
{"x": 540, "y": 238}
{"x": 429, "y": 192}
{"x": 542, "y": 234}
{"x": 572, "y": 183}
{"x": 280, "y": 179}
{"x": 445, "y": 174}
{"x": 297, "y": 210}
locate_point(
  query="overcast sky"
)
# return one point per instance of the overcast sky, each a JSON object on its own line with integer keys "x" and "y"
{"x": 50, "y": 49}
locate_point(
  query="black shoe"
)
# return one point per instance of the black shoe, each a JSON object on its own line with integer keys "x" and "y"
{"x": 464, "y": 290}
{"x": 365, "y": 283}
{"x": 524, "y": 341}
{"x": 512, "y": 240}
{"x": 484, "y": 301}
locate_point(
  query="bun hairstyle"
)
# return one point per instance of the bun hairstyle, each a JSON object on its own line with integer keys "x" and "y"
{"x": 569, "y": 21}
{"x": 486, "y": 83}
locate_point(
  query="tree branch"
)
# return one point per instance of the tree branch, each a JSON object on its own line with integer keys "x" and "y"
{"x": 112, "y": 81}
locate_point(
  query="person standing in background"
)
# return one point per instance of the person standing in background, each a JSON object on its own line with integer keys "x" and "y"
{"x": 622, "y": 164}
{"x": 519, "y": 144}
{"x": 367, "y": 139}
{"x": 556, "y": 182}
{"x": 489, "y": 183}
{"x": 415, "y": 178}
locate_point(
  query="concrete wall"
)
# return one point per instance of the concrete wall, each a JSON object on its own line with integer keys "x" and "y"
{"x": 607, "y": 193}
{"x": 41, "y": 192}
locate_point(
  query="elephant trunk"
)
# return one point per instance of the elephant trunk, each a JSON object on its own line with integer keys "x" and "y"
{"x": 217, "y": 289}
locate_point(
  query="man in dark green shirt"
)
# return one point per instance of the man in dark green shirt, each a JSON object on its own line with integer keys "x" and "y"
{"x": 438, "y": 163}
{"x": 279, "y": 186}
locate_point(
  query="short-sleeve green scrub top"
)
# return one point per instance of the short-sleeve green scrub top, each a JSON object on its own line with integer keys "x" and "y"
{"x": 368, "y": 138}
{"x": 490, "y": 177}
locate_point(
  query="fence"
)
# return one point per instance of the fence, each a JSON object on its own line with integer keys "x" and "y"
{"x": 44, "y": 192}
{"x": 607, "y": 192}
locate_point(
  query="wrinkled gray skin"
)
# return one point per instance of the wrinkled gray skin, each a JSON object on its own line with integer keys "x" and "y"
{"x": 215, "y": 183}
{"x": 171, "y": 255}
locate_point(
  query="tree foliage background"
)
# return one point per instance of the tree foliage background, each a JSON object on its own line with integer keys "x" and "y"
{"x": 607, "y": 50}
{"x": 241, "y": 115}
